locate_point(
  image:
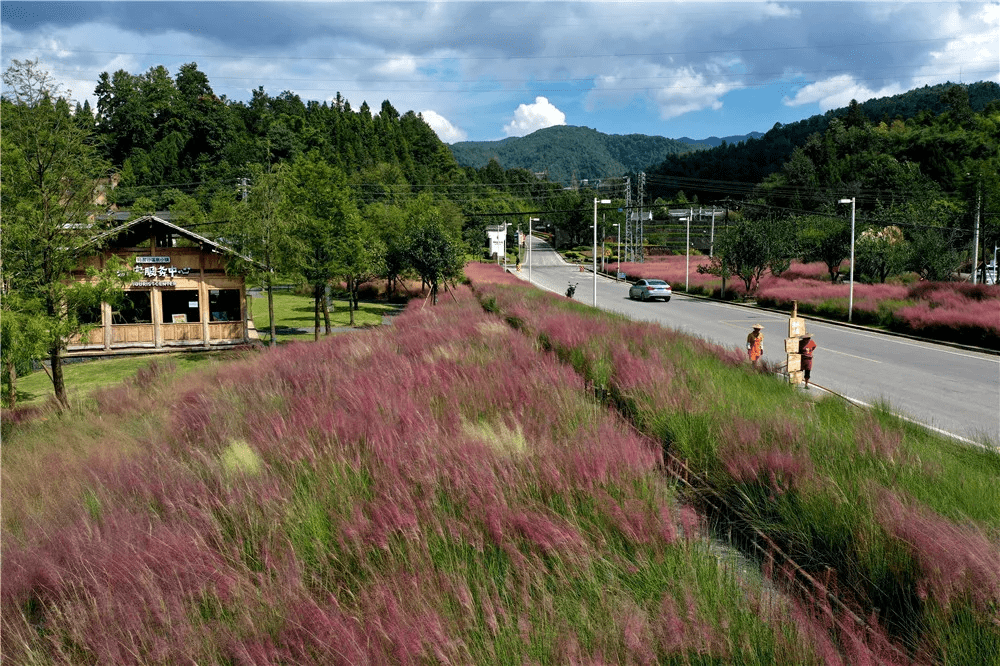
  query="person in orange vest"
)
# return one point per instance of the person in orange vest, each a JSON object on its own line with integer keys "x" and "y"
{"x": 755, "y": 343}
{"x": 806, "y": 347}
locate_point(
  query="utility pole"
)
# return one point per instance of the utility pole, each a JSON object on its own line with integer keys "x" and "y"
{"x": 975, "y": 237}
{"x": 711, "y": 240}
{"x": 723, "y": 264}
{"x": 687, "y": 251}
{"x": 642, "y": 202}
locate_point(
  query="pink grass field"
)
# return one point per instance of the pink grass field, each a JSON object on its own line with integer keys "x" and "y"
{"x": 951, "y": 311}
{"x": 952, "y": 566}
{"x": 438, "y": 491}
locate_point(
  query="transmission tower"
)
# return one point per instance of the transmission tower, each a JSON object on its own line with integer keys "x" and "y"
{"x": 629, "y": 242}
{"x": 642, "y": 202}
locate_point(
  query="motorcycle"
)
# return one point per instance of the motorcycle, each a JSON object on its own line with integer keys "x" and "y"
{"x": 571, "y": 289}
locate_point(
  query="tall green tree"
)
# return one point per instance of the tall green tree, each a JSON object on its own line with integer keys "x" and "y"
{"x": 51, "y": 180}
{"x": 329, "y": 227}
{"x": 436, "y": 256}
{"x": 261, "y": 230}
{"x": 749, "y": 248}
{"x": 826, "y": 239}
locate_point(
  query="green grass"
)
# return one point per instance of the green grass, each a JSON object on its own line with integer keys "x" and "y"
{"x": 292, "y": 311}
{"x": 84, "y": 375}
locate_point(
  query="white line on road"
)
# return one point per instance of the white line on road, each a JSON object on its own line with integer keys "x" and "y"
{"x": 852, "y": 355}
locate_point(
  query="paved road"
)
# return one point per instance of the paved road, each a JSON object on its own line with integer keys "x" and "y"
{"x": 951, "y": 389}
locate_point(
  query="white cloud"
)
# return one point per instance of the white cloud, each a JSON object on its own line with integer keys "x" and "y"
{"x": 969, "y": 58}
{"x": 443, "y": 127}
{"x": 673, "y": 91}
{"x": 531, "y": 117}
{"x": 837, "y": 92}
{"x": 398, "y": 65}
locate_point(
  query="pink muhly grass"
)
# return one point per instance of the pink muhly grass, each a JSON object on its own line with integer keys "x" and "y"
{"x": 328, "y": 634}
{"x": 771, "y": 452}
{"x": 944, "y": 292}
{"x": 779, "y": 469}
{"x": 402, "y": 622}
{"x": 123, "y": 592}
{"x": 551, "y": 535}
{"x": 639, "y": 522}
{"x": 633, "y": 372}
{"x": 604, "y": 453}
{"x": 872, "y": 439}
{"x": 678, "y": 629}
{"x": 958, "y": 315}
{"x": 959, "y": 563}
{"x": 637, "y": 634}
{"x": 489, "y": 273}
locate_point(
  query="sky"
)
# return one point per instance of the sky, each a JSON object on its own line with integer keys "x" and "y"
{"x": 483, "y": 71}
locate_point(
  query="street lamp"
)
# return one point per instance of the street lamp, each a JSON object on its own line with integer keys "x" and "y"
{"x": 530, "y": 220}
{"x": 603, "y": 201}
{"x": 850, "y": 300}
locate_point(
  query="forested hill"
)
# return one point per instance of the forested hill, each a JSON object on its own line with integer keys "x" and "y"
{"x": 713, "y": 141}
{"x": 566, "y": 152}
{"x": 751, "y": 161}
{"x": 167, "y": 134}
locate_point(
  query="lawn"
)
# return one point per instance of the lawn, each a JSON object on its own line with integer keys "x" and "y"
{"x": 293, "y": 311}
{"x": 83, "y": 376}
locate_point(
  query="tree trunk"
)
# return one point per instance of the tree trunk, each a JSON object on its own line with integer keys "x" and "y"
{"x": 352, "y": 301}
{"x": 58, "y": 383}
{"x": 434, "y": 293}
{"x": 326, "y": 313}
{"x": 270, "y": 310}
{"x": 11, "y": 383}
{"x": 317, "y": 296}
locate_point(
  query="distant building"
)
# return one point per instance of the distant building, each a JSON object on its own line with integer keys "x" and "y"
{"x": 180, "y": 297}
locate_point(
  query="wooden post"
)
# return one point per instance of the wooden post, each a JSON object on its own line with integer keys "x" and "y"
{"x": 796, "y": 329}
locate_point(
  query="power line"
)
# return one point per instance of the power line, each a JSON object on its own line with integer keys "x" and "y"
{"x": 452, "y": 57}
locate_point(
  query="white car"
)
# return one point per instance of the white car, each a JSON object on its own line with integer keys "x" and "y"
{"x": 647, "y": 290}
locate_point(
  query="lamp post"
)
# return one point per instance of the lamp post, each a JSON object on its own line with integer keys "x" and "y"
{"x": 530, "y": 220}
{"x": 850, "y": 300}
{"x": 603, "y": 201}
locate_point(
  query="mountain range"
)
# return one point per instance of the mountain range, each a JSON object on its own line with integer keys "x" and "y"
{"x": 567, "y": 153}
{"x": 571, "y": 155}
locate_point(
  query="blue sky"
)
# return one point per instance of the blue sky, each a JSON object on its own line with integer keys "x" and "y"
{"x": 483, "y": 71}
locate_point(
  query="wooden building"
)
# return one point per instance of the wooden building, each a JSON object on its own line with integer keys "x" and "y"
{"x": 179, "y": 297}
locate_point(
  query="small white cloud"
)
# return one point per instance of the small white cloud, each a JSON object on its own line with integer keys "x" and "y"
{"x": 443, "y": 127}
{"x": 837, "y": 92}
{"x": 531, "y": 117}
{"x": 399, "y": 65}
{"x": 776, "y": 10}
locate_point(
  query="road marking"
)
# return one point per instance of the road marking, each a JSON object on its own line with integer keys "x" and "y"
{"x": 909, "y": 419}
{"x": 929, "y": 346}
{"x": 852, "y": 355}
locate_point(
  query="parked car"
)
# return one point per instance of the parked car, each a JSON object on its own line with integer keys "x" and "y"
{"x": 646, "y": 290}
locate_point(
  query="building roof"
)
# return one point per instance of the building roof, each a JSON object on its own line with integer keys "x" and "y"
{"x": 205, "y": 243}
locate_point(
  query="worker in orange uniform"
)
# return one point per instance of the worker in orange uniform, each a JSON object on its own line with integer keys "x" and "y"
{"x": 806, "y": 347}
{"x": 755, "y": 343}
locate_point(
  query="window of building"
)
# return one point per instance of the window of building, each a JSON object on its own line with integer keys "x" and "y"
{"x": 180, "y": 307}
{"x": 136, "y": 308}
{"x": 89, "y": 313}
{"x": 224, "y": 304}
